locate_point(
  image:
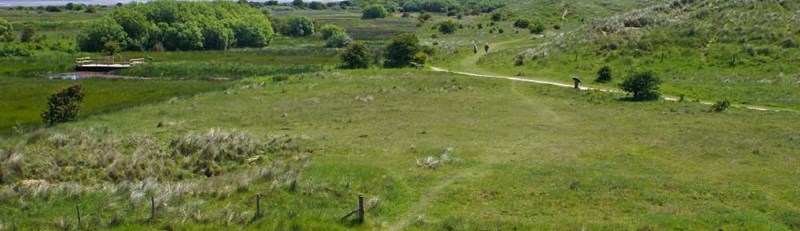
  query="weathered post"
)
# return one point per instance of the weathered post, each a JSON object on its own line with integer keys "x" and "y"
{"x": 258, "y": 205}
{"x": 152, "y": 208}
{"x": 78, "y": 209}
{"x": 360, "y": 208}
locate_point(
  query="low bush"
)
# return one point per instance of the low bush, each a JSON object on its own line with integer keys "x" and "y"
{"x": 720, "y": 106}
{"x": 329, "y": 29}
{"x": 356, "y": 55}
{"x": 298, "y": 26}
{"x": 338, "y": 39}
{"x": 603, "y": 75}
{"x": 374, "y": 11}
{"x": 642, "y": 86}
{"x": 522, "y": 23}
{"x": 448, "y": 27}
{"x": 63, "y": 106}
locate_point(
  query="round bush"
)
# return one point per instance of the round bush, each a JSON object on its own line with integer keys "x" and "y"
{"x": 338, "y": 39}
{"x": 355, "y": 56}
{"x": 374, "y": 11}
{"x": 329, "y": 29}
{"x": 448, "y": 27}
{"x": 298, "y": 26}
{"x": 96, "y": 35}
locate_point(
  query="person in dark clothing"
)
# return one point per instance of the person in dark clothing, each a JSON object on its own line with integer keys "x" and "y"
{"x": 486, "y": 48}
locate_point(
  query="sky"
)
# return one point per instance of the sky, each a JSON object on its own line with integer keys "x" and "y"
{"x": 7, "y": 3}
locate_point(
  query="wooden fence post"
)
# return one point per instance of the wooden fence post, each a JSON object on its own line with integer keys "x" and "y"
{"x": 360, "y": 208}
{"x": 152, "y": 208}
{"x": 78, "y": 209}
{"x": 258, "y": 205}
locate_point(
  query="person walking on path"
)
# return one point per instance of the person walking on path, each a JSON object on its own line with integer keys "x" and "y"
{"x": 486, "y": 48}
{"x": 474, "y": 48}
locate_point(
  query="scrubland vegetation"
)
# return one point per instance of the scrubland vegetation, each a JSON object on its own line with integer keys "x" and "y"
{"x": 304, "y": 106}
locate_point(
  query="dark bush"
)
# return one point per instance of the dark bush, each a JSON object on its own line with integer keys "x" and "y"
{"x": 28, "y": 34}
{"x": 400, "y": 52}
{"x": 374, "y": 11}
{"x": 537, "y": 28}
{"x": 720, "y": 106}
{"x": 316, "y": 5}
{"x": 603, "y": 75}
{"x": 643, "y": 86}
{"x": 52, "y": 9}
{"x": 497, "y": 16}
{"x": 448, "y": 27}
{"x": 522, "y": 23}
{"x": 355, "y": 56}
{"x": 64, "y": 105}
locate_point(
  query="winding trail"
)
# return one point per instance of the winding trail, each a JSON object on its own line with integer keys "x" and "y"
{"x": 470, "y": 68}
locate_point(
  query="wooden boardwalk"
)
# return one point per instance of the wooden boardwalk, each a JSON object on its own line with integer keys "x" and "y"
{"x": 104, "y": 64}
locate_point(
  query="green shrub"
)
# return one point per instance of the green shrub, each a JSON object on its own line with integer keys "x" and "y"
{"x": 355, "y": 56}
{"x": 643, "y": 86}
{"x": 448, "y": 27}
{"x": 537, "y": 28}
{"x": 11, "y": 50}
{"x": 329, "y": 29}
{"x": 298, "y": 26}
{"x": 374, "y": 11}
{"x": 338, "y": 39}
{"x": 603, "y": 75}
{"x": 6, "y": 31}
{"x": 253, "y": 31}
{"x": 720, "y": 106}
{"x": 182, "y": 36}
{"x": 64, "y": 105}
{"x": 497, "y": 16}
{"x": 401, "y": 50}
{"x": 522, "y": 23}
{"x": 420, "y": 58}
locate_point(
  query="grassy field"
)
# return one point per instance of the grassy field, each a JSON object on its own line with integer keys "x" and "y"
{"x": 429, "y": 151}
{"x": 750, "y": 59}
{"x": 22, "y": 100}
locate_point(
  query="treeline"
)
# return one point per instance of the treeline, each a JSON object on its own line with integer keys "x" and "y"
{"x": 177, "y": 25}
{"x": 68, "y": 7}
{"x": 466, "y": 6}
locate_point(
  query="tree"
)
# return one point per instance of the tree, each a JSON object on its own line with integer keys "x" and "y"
{"x": 91, "y": 9}
{"x": 448, "y": 27}
{"x": 253, "y": 31}
{"x": 135, "y": 25}
{"x": 298, "y": 26}
{"x": 183, "y": 36}
{"x": 96, "y": 35}
{"x": 315, "y": 5}
{"x": 603, "y": 75}
{"x": 329, "y": 29}
{"x": 355, "y": 56}
{"x": 299, "y": 4}
{"x": 374, "y": 11}
{"x": 64, "y": 105}
{"x": 338, "y": 39}
{"x": 6, "y": 31}
{"x": 643, "y": 86}
{"x": 400, "y": 52}
{"x": 217, "y": 37}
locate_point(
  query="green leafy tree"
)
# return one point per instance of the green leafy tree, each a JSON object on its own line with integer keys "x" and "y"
{"x": 6, "y": 31}
{"x": 63, "y": 106}
{"x": 374, "y": 11}
{"x": 315, "y": 5}
{"x": 254, "y": 31}
{"x": 401, "y": 50}
{"x": 643, "y": 86}
{"x": 448, "y": 27}
{"x": 298, "y": 26}
{"x": 217, "y": 37}
{"x": 299, "y": 4}
{"x": 354, "y": 56}
{"x": 136, "y": 26}
{"x": 329, "y": 29}
{"x": 338, "y": 39}
{"x": 96, "y": 35}
{"x": 603, "y": 75}
{"x": 183, "y": 36}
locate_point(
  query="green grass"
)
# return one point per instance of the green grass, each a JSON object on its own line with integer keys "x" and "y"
{"x": 529, "y": 157}
{"x": 22, "y": 100}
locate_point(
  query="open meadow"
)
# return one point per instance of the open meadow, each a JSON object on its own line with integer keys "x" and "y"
{"x": 230, "y": 126}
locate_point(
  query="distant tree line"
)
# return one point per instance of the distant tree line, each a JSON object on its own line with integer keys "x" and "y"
{"x": 466, "y": 6}
{"x": 178, "y": 25}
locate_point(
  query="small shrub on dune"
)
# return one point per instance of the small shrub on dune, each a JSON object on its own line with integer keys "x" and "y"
{"x": 720, "y": 106}
{"x": 64, "y": 105}
{"x": 447, "y": 27}
{"x": 338, "y": 39}
{"x": 329, "y": 30}
{"x": 643, "y": 86}
{"x": 603, "y": 75}
{"x": 374, "y": 11}
{"x": 354, "y": 56}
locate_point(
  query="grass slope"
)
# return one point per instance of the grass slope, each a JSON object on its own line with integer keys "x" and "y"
{"x": 506, "y": 155}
